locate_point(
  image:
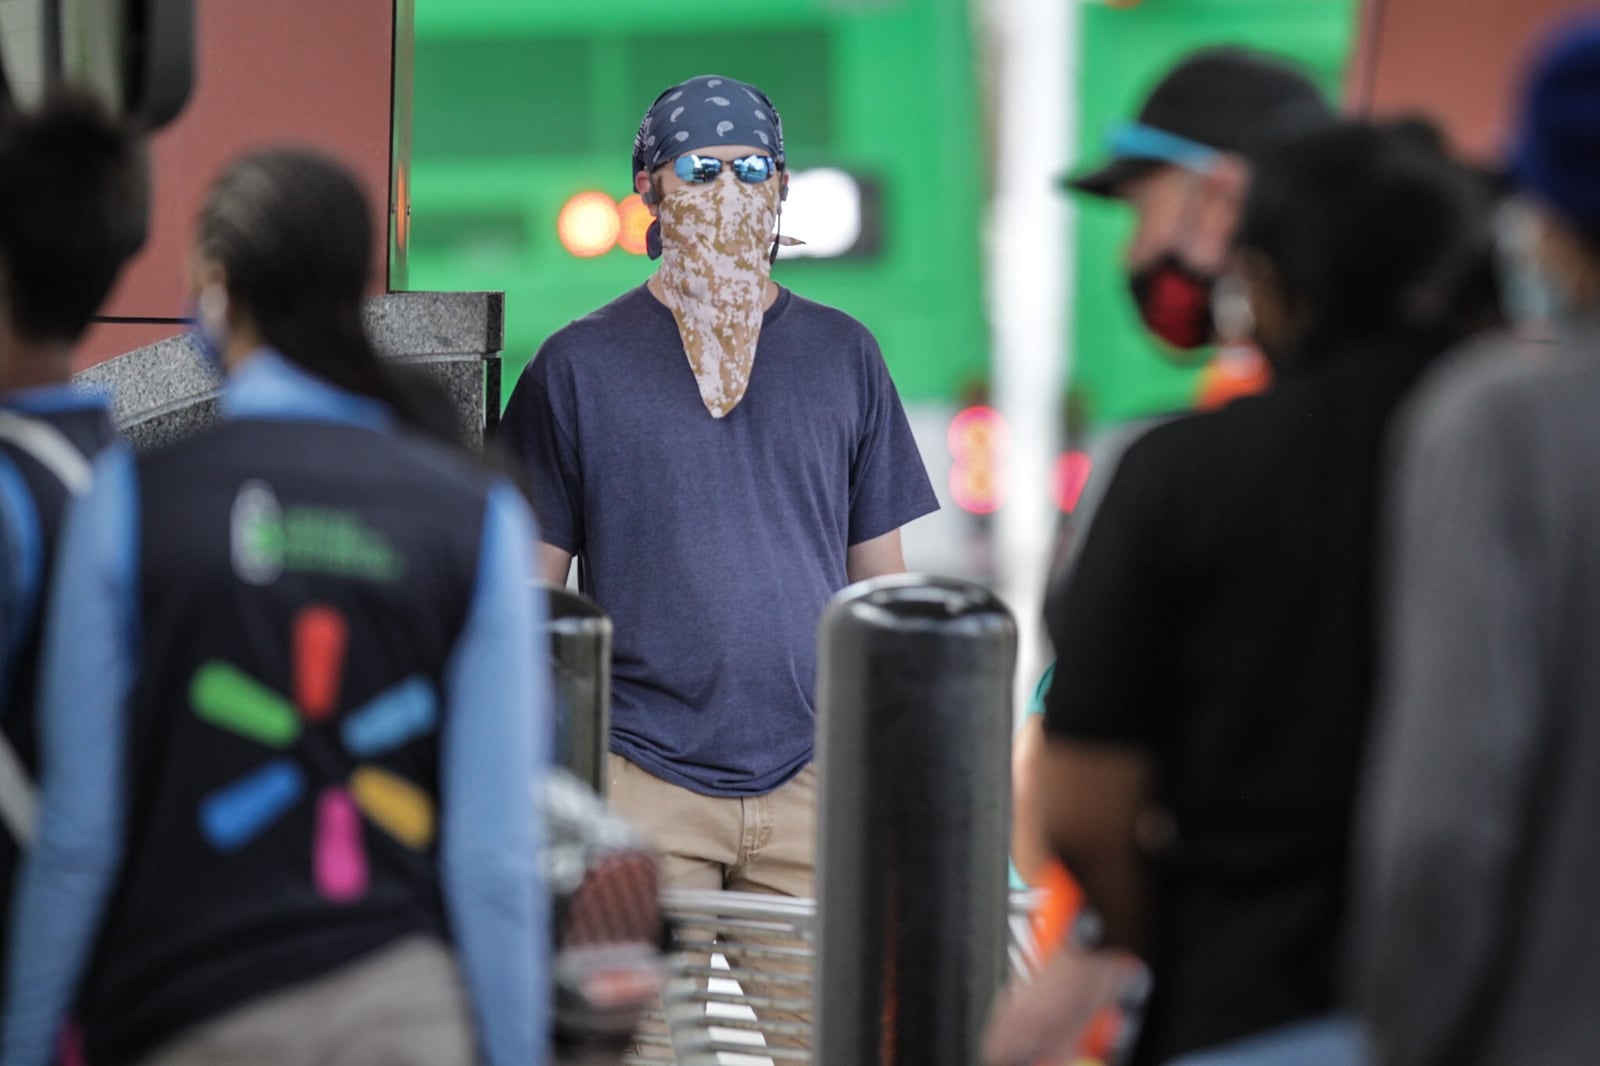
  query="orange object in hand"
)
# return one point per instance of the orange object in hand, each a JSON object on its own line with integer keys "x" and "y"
{"x": 1063, "y": 901}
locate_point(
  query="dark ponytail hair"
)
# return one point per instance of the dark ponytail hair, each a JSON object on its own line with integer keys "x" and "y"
{"x": 293, "y": 231}
{"x": 1373, "y": 229}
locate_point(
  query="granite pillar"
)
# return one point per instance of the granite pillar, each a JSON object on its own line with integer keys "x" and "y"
{"x": 165, "y": 391}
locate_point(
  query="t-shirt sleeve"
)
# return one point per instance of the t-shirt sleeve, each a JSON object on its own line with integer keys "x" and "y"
{"x": 889, "y": 485}
{"x": 1110, "y": 618}
{"x": 537, "y": 435}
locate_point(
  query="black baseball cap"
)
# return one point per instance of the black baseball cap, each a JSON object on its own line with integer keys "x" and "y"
{"x": 1228, "y": 99}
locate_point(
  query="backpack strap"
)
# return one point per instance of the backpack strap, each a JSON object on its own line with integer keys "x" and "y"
{"x": 51, "y": 449}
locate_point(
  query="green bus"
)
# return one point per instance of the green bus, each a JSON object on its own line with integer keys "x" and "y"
{"x": 520, "y": 105}
{"x": 524, "y": 116}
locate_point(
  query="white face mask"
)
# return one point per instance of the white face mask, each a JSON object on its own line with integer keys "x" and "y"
{"x": 715, "y": 243}
{"x": 1533, "y": 299}
{"x": 1232, "y": 314}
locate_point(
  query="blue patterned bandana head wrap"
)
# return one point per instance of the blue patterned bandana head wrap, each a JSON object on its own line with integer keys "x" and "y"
{"x": 705, "y": 112}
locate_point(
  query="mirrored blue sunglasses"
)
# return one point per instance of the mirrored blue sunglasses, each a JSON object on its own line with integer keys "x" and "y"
{"x": 701, "y": 169}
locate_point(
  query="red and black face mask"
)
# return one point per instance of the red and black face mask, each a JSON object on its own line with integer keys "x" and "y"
{"x": 1174, "y": 300}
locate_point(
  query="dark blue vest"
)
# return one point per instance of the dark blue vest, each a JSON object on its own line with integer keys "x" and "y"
{"x": 302, "y": 587}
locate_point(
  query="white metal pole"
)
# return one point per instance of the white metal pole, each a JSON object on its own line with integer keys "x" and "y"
{"x": 1034, "y": 45}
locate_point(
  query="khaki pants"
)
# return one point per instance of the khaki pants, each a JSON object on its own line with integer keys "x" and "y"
{"x": 402, "y": 1005}
{"x": 764, "y": 844}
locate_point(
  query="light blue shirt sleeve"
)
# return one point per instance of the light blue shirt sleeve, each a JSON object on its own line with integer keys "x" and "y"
{"x": 496, "y": 745}
{"x": 88, "y": 668}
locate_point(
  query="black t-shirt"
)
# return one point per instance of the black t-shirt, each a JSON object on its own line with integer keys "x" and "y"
{"x": 1220, "y": 618}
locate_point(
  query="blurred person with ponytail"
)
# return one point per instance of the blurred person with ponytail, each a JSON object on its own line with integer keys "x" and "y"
{"x": 290, "y": 720}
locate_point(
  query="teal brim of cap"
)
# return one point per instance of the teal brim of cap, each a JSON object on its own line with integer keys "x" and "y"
{"x": 1135, "y": 151}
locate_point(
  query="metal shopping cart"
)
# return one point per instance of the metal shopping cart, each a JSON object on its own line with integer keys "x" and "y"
{"x": 710, "y": 1017}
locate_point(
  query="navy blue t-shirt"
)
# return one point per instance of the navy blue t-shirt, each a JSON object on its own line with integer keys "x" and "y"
{"x": 714, "y": 544}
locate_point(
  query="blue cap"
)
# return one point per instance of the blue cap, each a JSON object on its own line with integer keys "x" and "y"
{"x": 1557, "y": 153}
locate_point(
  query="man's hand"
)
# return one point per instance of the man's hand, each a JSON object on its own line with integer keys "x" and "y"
{"x": 1042, "y": 1023}
{"x": 554, "y": 564}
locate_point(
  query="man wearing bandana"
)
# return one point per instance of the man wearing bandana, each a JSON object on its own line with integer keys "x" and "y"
{"x": 722, "y": 456}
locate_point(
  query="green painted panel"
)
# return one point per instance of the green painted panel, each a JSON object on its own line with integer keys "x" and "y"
{"x": 521, "y": 76}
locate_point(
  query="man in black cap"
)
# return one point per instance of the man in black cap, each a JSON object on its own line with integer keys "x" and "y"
{"x": 1183, "y": 166}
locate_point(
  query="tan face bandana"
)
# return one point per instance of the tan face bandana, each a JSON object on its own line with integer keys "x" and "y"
{"x": 715, "y": 240}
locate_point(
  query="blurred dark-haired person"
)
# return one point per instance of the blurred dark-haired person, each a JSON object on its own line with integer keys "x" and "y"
{"x": 72, "y": 212}
{"x": 290, "y": 724}
{"x": 1478, "y": 844}
{"x": 1199, "y": 770}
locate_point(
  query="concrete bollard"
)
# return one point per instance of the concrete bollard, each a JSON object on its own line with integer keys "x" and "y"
{"x": 914, "y": 718}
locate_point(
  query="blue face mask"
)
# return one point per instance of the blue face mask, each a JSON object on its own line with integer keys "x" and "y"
{"x": 1533, "y": 300}
{"x": 208, "y": 325}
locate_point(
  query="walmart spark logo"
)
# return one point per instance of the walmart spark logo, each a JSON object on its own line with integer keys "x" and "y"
{"x": 239, "y": 812}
